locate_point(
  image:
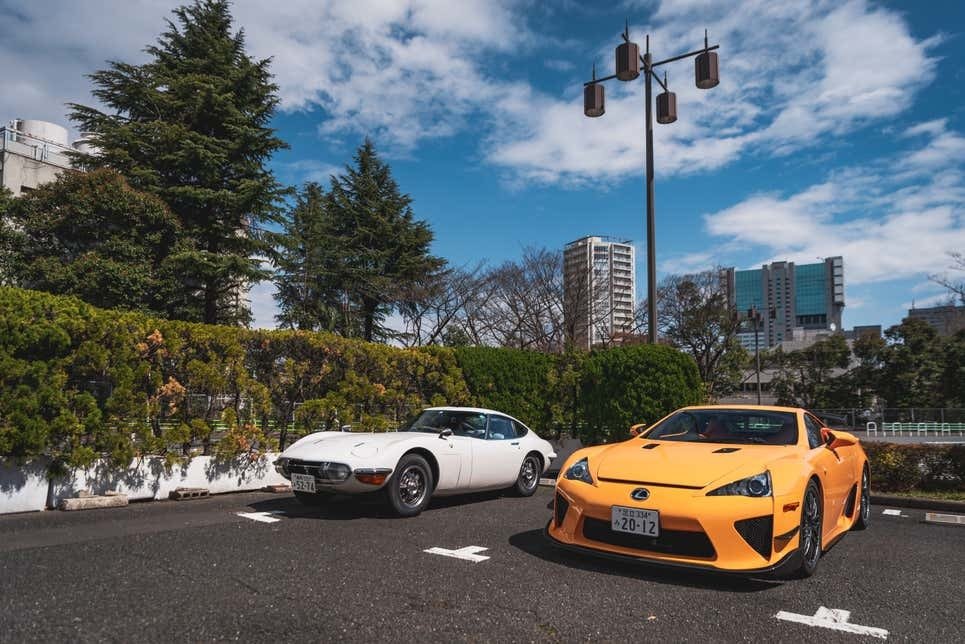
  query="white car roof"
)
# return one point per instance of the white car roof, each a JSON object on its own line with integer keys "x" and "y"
{"x": 476, "y": 410}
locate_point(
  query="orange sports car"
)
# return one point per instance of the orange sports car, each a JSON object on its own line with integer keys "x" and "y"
{"x": 748, "y": 489}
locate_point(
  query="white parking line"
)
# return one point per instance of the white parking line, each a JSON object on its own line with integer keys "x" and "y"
{"x": 835, "y": 619}
{"x": 468, "y": 553}
{"x": 263, "y": 517}
{"x": 891, "y": 513}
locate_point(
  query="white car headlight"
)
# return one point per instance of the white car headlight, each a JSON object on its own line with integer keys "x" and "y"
{"x": 757, "y": 485}
{"x": 579, "y": 471}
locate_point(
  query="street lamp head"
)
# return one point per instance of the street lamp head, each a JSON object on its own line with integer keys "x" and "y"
{"x": 593, "y": 100}
{"x": 706, "y": 70}
{"x": 628, "y": 61}
{"x": 666, "y": 107}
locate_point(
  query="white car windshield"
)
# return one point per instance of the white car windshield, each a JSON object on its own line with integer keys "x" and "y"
{"x": 462, "y": 423}
{"x": 728, "y": 426}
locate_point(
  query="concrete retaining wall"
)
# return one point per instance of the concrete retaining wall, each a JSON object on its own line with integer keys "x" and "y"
{"x": 24, "y": 489}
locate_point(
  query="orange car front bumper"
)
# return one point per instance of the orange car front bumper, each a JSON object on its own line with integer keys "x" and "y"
{"x": 715, "y": 533}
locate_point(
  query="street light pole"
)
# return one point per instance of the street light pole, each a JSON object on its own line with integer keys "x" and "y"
{"x": 757, "y": 353}
{"x": 651, "y": 218}
{"x": 628, "y": 58}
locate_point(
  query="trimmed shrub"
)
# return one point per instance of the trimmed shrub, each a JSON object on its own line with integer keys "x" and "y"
{"x": 634, "y": 384}
{"x": 513, "y": 381}
{"x": 79, "y": 383}
{"x": 901, "y": 468}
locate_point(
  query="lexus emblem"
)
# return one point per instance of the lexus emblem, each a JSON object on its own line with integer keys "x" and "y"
{"x": 640, "y": 494}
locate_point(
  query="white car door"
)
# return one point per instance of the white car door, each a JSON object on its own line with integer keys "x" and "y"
{"x": 454, "y": 456}
{"x": 497, "y": 458}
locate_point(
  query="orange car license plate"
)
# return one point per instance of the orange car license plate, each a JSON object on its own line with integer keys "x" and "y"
{"x": 635, "y": 521}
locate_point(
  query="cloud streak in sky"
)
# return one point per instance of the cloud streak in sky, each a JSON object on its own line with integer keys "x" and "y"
{"x": 887, "y": 226}
{"x": 791, "y": 75}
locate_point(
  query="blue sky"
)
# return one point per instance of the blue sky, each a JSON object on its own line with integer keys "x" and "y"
{"x": 838, "y": 127}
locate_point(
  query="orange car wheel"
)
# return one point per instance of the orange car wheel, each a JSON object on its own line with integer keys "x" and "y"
{"x": 864, "y": 511}
{"x": 810, "y": 538}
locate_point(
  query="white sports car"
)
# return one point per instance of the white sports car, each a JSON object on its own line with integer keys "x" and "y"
{"x": 442, "y": 451}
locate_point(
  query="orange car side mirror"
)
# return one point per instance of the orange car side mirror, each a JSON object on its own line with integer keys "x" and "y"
{"x": 833, "y": 441}
{"x": 636, "y": 430}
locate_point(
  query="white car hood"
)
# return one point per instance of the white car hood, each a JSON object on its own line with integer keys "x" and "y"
{"x": 332, "y": 446}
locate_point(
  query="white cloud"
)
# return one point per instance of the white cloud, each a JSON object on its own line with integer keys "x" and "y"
{"x": 407, "y": 71}
{"x": 886, "y": 226}
{"x": 791, "y": 74}
{"x": 404, "y": 70}
{"x": 932, "y": 128}
{"x": 311, "y": 170}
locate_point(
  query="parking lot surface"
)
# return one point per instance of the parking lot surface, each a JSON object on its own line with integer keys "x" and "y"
{"x": 260, "y": 567}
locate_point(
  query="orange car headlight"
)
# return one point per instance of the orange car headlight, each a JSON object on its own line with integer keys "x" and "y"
{"x": 579, "y": 471}
{"x": 757, "y": 485}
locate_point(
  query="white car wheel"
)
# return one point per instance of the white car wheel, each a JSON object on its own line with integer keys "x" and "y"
{"x": 528, "y": 479}
{"x": 411, "y": 486}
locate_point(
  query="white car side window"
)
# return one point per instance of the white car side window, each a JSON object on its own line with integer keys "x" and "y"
{"x": 501, "y": 428}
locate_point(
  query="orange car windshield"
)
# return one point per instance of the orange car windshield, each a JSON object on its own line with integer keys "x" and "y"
{"x": 739, "y": 426}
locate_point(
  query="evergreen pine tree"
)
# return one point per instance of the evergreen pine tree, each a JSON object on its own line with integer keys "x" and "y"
{"x": 91, "y": 235}
{"x": 191, "y": 126}
{"x": 307, "y": 294}
{"x": 379, "y": 251}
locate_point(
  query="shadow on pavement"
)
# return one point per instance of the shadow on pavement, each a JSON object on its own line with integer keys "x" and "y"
{"x": 367, "y": 506}
{"x": 534, "y": 542}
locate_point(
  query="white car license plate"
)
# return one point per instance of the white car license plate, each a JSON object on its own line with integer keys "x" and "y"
{"x": 635, "y": 521}
{"x": 303, "y": 483}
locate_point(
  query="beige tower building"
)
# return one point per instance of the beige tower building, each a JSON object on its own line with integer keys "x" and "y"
{"x": 599, "y": 287}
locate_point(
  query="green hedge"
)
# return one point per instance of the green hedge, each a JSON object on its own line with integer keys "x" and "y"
{"x": 77, "y": 382}
{"x": 634, "y": 384}
{"x": 927, "y": 467}
{"x": 510, "y": 379}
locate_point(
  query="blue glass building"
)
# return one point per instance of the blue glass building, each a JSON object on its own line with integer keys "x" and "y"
{"x": 789, "y": 297}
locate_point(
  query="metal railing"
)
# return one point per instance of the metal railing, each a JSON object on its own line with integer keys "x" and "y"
{"x": 31, "y": 147}
{"x": 858, "y": 418}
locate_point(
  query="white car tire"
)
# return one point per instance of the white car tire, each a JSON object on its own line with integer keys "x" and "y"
{"x": 528, "y": 479}
{"x": 410, "y": 487}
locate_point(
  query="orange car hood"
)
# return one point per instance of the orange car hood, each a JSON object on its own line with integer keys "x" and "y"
{"x": 679, "y": 463}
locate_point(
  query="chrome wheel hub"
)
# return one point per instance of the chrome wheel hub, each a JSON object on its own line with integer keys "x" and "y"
{"x": 529, "y": 473}
{"x": 412, "y": 486}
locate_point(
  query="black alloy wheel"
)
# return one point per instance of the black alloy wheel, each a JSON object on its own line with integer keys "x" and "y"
{"x": 864, "y": 510}
{"x": 528, "y": 479}
{"x": 811, "y": 529}
{"x": 410, "y": 487}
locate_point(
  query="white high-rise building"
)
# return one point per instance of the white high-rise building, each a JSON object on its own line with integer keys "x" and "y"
{"x": 599, "y": 287}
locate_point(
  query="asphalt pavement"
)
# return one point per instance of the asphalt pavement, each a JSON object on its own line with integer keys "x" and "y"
{"x": 200, "y": 571}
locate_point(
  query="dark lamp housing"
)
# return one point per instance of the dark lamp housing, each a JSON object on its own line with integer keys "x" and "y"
{"x": 628, "y": 61}
{"x": 593, "y": 100}
{"x": 666, "y": 107}
{"x": 706, "y": 71}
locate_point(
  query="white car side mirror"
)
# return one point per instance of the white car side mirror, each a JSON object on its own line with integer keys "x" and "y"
{"x": 446, "y": 433}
